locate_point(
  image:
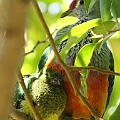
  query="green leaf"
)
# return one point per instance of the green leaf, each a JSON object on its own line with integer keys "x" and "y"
{"x": 83, "y": 59}
{"x": 105, "y": 6}
{"x": 84, "y": 55}
{"x": 116, "y": 114}
{"x": 67, "y": 47}
{"x": 71, "y": 42}
{"x": 115, "y": 28}
{"x": 62, "y": 37}
{"x": 78, "y": 30}
{"x": 84, "y": 75}
{"x": 63, "y": 34}
{"x": 82, "y": 28}
{"x": 104, "y": 28}
{"x": 114, "y": 13}
{"x": 105, "y": 39}
{"x": 116, "y": 9}
{"x": 87, "y": 3}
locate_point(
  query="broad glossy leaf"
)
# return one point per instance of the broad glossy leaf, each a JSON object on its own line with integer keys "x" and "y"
{"x": 104, "y": 28}
{"x": 84, "y": 55}
{"x": 87, "y": 3}
{"x": 116, "y": 114}
{"x": 82, "y": 28}
{"x": 71, "y": 42}
{"x": 105, "y": 6}
{"x": 78, "y": 30}
{"x": 116, "y": 9}
{"x": 67, "y": 47}
{"x": 62, "y": 37}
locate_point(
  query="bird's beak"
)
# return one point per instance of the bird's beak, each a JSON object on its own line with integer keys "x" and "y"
{"x": 57, "y": 81}
{"x": 69, "y": 12}
{"x": 66, "y": 13}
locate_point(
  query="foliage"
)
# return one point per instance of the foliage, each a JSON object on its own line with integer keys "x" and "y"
{"x": 106, "y": 28}
{"x": 116, "y": 114}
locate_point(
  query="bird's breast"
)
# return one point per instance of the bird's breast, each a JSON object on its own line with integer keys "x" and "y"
{"x": 97, "y": 91}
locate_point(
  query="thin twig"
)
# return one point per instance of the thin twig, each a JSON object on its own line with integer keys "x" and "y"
{"x": 38, "y": 42}
{"x": 93, "y": 112}
{"x": 27, "y": 96}
{"x": 94, "y": 69}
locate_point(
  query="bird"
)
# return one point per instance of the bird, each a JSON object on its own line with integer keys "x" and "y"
{"x": 47, "y": 93}
{"x": 99, "y": 85}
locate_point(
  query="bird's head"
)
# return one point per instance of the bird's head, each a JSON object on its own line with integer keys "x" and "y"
{"x": 77, "y": 9}
{"x": 52, "y": 77}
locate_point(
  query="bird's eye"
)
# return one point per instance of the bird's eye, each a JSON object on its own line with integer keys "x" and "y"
{"x": 46, "y": 74}
{"x": 81, "y": 2}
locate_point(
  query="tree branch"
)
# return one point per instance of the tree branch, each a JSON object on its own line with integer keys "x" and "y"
{"x": 94, "y": 69}
{"x": 27, "y": 96}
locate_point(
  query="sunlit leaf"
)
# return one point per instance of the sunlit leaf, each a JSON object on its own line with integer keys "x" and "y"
{"x": 63, "y": 36}
{"x": 78, "y": 30}
{"x": 104, "y": 28}
{"x": 83, "y": 59}
{"x": 84, "y": 55}
{"x": 71, "y": 42}
{"x": 82, "y": 28}
{"x": 67, "y": 47}
{"x": 116, "y": 114}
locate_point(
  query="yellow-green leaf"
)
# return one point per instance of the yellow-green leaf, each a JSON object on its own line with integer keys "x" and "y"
{"x": 84, "y": 55}
{"x": 116, "y": 114}
{"x": 104, "y": 28}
